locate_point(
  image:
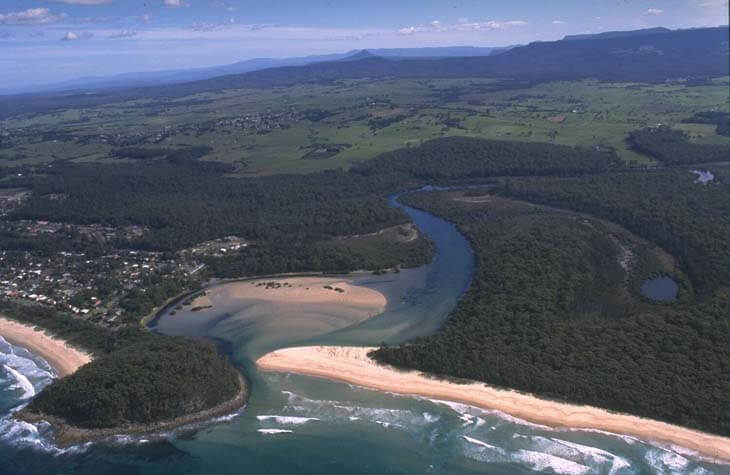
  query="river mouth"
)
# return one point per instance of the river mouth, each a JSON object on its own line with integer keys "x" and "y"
{"x": 296, "y": 424}
{"x": 418, "y": 302}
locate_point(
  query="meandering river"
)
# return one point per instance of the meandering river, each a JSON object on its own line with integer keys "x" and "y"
{"x": 300, "y": 425}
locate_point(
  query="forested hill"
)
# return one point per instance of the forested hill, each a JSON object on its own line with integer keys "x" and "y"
{"x": 653, "y": 56}
{"x": 467, "y": 157}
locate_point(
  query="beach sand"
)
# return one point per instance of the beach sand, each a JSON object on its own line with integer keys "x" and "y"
{"x": 352, "y": 365}
{"x": 63, "y": 358}
{"x": 298, "y": 290}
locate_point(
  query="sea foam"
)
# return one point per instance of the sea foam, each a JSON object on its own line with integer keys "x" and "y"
{"x": 542, "y": 462}
{"x": 274, "y": 431}
{"x": 287, "y": 420}
{"x": 21, "y": 382}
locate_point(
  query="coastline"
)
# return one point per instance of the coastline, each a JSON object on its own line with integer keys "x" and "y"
{"x": 63, "y": 358}
{"x": 352, "y": 365}
{"x": 67, "y": 435}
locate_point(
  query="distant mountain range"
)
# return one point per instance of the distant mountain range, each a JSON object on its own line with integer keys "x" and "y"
{"x": 643, "y": 55}
{"x": 137, "y": 79}
{"x": 618, "y": 34}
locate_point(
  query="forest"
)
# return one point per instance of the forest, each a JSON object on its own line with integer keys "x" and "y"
{"x": 672, "y": 147}
{"x": 188, "y": 202}
{"x": 690, "y": 220}
{"x": 466, "y": 157}
{"x": 721, "y": 120}
{"x": 541, "y": 314}
{"x": 136, "y": 377}
{"x": 157, "y": 380}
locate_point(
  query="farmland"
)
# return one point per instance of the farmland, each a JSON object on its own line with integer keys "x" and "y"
{"x": 312, "y": 127}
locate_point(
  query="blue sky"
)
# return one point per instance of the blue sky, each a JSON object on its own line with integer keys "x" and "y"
{"x": 43, "y": 41}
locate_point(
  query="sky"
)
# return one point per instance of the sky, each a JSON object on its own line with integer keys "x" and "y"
{"x": 46, "y": 41}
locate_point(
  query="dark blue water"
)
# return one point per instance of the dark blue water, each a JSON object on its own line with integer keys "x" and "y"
{"x": 662, "y": 289}
{"x": 299, "y": 425}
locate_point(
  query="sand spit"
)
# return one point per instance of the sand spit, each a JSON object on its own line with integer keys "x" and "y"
{"x": 63, "y": 358}
{"x": 352, "y": 365}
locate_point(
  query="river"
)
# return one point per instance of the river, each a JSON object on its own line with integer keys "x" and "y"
{"x": 301, "y": 425}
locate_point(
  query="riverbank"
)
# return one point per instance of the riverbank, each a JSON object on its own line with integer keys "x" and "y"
{"x": 352, "y": 365}
{"x": 63, "y": 358}
{"x": 66, "y": 435}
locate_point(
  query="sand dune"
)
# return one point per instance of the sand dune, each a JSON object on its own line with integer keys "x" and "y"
{"x": 352, "y": 365}
{"x": 64, "y": 359}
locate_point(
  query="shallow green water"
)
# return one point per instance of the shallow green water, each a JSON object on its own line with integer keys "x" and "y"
{"x": 301, "y": 425}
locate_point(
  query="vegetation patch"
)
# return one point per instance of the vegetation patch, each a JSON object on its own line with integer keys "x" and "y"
{"x": 145, "y": 383}
{"x": 674, "y": 148}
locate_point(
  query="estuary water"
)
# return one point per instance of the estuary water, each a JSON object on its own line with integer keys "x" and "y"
{"x": 301, "y": 425}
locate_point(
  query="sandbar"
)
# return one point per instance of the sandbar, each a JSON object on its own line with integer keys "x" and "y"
{"x": 297, "y": 290}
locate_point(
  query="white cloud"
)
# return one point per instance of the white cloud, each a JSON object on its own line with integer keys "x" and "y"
{"x": 654, "y": 11}
{"x": 123, "y": 34}
{"x": 437, "y": 26}
{"x": 84, "y": 2}
{"x": 558, "y": 22}
{"x": 174, "y": 3}
{"x": 31, "y": 16}
{"x": 73, "y": 36}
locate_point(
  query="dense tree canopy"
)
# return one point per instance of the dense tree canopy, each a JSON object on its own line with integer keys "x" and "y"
{"x": 542, "y": 314}
{"x": 153, "y": 381}
{"x": 672, "y": 147}
{"x": 466, "y": 157}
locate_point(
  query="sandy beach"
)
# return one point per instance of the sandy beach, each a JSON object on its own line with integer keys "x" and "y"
{"x": 352, "y": 365}
{"x": 63, "y": 358}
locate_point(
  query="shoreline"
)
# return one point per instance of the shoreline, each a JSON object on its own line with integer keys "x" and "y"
{"x": 352, "y": 365}
{"x": 62, "y": 357}
{"x": 66, "y": 435}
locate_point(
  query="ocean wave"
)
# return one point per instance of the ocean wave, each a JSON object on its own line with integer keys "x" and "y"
{"x": 631, "y": 440}
{"x": 287, "y": 420}
{"x": 480, "y": 443}
{"x": 274, "y": 431}
{"x": 542, "y": 462}
{"x": 328, "y": 410}
{"x": 29, "y": 372}
{"x": 21, "y": 382}
{"x": 665, "y": 461}
{"x": 579, "y": 453}
{"x": 430, "y": 418}
{"x": 23, "y": 434}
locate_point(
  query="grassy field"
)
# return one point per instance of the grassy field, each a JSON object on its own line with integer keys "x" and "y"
{"x": 356, "y": 120}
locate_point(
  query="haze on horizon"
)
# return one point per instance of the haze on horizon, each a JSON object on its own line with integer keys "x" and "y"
{"x": 46, "y": 41}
